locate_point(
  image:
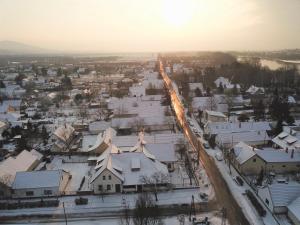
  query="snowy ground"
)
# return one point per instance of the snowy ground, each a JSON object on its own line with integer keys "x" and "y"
{"x": 72, "y": 165}
{"x": 109, "y": 203}
{"x": 238, "y": 193}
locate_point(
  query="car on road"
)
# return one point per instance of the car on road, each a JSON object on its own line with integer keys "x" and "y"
{"x": 219, "y": 156}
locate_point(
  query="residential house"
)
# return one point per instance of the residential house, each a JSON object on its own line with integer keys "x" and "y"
{"x": 118, "y": 171}
{"x": 62, "y": 138}
{"x": 250, "y": 161}
{"x": 214, "y": 116}
{"x": 44, "y": 183}
{"x": 279, "y": 196}
{"x": 25, "y": 161}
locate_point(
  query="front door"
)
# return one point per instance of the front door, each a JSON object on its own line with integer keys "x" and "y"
{"x": 118, "y": 188}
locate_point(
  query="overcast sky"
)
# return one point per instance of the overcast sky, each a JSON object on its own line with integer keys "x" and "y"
{"x": 152, "y": 25}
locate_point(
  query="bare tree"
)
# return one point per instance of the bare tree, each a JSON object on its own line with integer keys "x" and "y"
{"x": 211, "y": 103}
{"x": 153, "y": 182}
{"x": 146, "y": 211}
{"x": 181, "y": 147}
{"x": 125, "y": 218}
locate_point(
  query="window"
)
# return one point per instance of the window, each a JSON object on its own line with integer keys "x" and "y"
{"x": 103, "y": 178}
{"x": 109, "y": 177}
{"x": 100, "y": 188}
{"x": 108, "y": 187}
{"x": 29, "y": 193}
{"x": 47, "y": 192}
{"x": 254, "y": 160}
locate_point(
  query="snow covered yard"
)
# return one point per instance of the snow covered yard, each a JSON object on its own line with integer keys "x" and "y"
{"x": 107, "y": 204}
{"x": 76, "y": 166}
{"x": 214, "y": 217}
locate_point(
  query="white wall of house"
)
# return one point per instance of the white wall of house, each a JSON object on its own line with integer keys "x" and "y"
{"x": 106, "y": 179}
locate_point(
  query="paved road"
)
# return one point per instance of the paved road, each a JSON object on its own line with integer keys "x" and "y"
{"x": 223, "y": 194}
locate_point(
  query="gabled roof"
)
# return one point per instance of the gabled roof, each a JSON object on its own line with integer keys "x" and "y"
{"x": 23, "y": 162}
{"x": 284, "y": 194}
{"x": 243, "y": 152}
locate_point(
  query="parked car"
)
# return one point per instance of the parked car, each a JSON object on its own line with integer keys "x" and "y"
{"x": 238, "y": 180}
{"x": 206, "y": 145}
{"x": 203, "y": 196}
{"x": 219, "y": 156}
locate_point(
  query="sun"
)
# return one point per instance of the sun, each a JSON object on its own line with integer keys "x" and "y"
{"x": 177, "y": 12}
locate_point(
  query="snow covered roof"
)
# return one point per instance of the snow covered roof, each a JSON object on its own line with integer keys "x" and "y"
{"x": 243, "y": 152}
{"x": 37, "y": 179}
{"x": 125, "y": 123}
{"x": 291, "y": 100}
{"x": 236, "y": 127}
{"x": 253, "y": 90}
{"x": 64, "y": 132}
{"x": 273, "y": 156}
{"x": 284, "y": 194}
{"x": 103, "y": 140}
{"x": 204, "y": 103}
{"x": 287, "y": 141}
{"x": 294, "y": 207}
{"x": 23, "y": 162}
{"x": 128, "y": 166}
{"x": 247, "y": 137}
{"x": 215, "y": 113}
{"x": 164, "y": 152}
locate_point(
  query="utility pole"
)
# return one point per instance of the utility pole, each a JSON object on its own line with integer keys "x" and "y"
{"x": 223, "y": 216}
{"x": 193, "y": 208}
{"x": 65, "y": 214}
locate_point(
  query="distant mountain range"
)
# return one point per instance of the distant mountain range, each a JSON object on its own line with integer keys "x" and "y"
{"x": 17, "y": 48}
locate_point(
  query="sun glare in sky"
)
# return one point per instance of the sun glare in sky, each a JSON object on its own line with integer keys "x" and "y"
{"x": 178, "y": 12}
{"x": 151, "y": 25}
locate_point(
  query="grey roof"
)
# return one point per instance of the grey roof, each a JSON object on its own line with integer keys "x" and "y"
{"x": 284, "y": 194}
{"x": 294, "y": 207}
{"x": 37, "y": 179}
{"x": 274, "y": 156}
{"x": 164, "y": 152}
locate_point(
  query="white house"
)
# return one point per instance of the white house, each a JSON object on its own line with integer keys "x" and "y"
{"x": 118, "y": 171}
{"x": 44, "y": 183}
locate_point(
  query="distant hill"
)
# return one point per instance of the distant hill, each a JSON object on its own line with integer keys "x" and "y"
{"x": 17, "y": 48}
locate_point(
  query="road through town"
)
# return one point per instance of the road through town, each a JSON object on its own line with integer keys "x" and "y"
{"x": 223, "y": 194}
